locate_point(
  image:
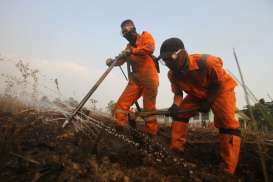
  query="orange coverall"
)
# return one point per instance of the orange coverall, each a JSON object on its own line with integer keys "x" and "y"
{"x": 143, "y": 81}
{"x": 196, "y": 83}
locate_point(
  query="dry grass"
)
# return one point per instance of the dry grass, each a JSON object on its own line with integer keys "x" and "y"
{"x": 10, "y": 104}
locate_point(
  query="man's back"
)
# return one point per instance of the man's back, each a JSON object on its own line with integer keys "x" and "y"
{"x": 203, "y": 71}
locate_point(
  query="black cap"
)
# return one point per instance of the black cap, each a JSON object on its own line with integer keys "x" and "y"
{"x": 171, "y": 45}
{"x": 126, "y": 21}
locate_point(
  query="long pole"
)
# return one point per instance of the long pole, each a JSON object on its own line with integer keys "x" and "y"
{"x": 160, "y": 112}
{"x": 88, "y": 95}
{"x": 253, "y": 118}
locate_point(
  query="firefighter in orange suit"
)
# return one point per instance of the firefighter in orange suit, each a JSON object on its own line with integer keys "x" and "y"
{"x": 143, "y": 79}
{"x": 208, "y": 86}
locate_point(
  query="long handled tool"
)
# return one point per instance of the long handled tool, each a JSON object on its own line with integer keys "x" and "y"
{"x": 92, "y": 90}
{"x": 134, "y": 115}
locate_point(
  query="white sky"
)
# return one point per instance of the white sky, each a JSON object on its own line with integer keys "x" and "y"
{"x": 70, "y": 40}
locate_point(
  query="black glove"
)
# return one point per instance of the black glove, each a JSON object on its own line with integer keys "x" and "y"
{"x": 109, "y": 61}
{"x": 173, "y": 110}
{"x": 204, "y": 106}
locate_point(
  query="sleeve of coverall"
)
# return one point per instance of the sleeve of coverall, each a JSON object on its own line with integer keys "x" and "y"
{"x": 178, "y": 94}
{"x": 147, "y": 45}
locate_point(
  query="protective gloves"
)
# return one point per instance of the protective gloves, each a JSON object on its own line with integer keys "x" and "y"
{"x": 127, "y": 52}
{"x": 173, "y": 110}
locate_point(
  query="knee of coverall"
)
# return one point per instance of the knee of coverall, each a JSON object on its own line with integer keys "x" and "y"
{"x": 150, "y": 91}
{"x": 149, "y": 103}
{"x": 131, "y": 93}
{"x": 223, "y": 109}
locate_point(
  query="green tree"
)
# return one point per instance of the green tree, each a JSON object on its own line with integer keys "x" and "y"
{"x": 263, "y": 112}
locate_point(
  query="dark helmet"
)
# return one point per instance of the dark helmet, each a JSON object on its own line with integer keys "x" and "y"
{"x": 173, "y": 54}
{"x": 127, "y": 26}
{"x": 171, "y": 45}
{"x": 128, "y": 21}
{"x": 128, "y": 31}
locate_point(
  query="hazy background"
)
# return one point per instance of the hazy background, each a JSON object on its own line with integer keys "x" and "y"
{"x": 70, "y": 40}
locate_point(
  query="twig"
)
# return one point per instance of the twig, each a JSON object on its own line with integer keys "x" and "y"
{"x": 25, "y": 158}
{"x": 26, "y": 110}
{"x": 57, "y": 119}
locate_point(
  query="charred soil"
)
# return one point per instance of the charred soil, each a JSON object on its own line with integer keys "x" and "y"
{"x": 33, "y": 148}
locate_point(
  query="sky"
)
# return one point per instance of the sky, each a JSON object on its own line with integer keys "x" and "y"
{"x": 70, "y": 40}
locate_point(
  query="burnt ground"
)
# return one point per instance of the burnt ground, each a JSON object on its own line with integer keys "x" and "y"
{"x": 33, "y": 148}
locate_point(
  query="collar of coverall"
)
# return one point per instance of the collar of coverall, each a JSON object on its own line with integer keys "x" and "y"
{"x": 192, "y": 65}
{"x": 189, "y": 65}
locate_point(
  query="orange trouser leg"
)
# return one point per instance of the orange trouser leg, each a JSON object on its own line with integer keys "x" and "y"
{"x": 224, "y": 118}
{"x": 180, "y": 123}
{"x": 149, "y": 103}
{"x": 229, "y": 151}
{"x": 179, "y": 134}
{"x": 131, "y": 93}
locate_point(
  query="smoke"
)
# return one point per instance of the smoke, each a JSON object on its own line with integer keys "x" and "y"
{"x": 28, "y": 85}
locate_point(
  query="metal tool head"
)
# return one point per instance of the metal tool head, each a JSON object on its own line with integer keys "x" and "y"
{"x": 65, "y": 123}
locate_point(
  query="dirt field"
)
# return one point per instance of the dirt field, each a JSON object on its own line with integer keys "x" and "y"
{"x": 34, "y": 147}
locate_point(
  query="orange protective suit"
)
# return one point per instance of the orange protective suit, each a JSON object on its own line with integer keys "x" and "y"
{"x": 196, "y": 83}
{"x": 143, "y": 81}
